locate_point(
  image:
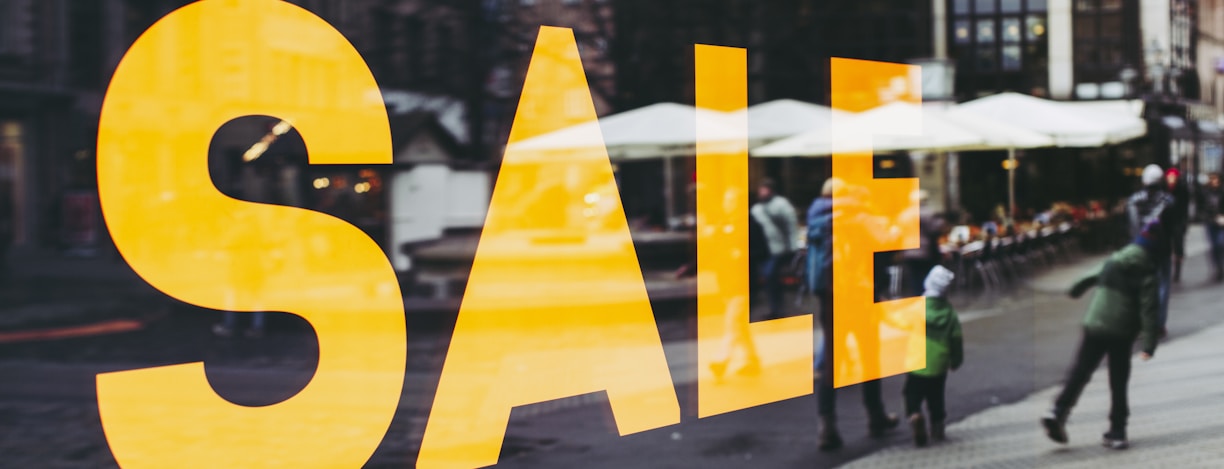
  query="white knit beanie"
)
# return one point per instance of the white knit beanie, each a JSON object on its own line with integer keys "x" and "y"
{"x": 1152, "y": 174}
{"x": 938, "y": 281}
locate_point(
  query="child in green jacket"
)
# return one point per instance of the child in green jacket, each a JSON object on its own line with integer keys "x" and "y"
{"x": 1124, "y": 307}
{"x": 944, "y": 351}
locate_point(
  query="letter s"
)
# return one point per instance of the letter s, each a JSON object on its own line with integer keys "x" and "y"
{"x": 194, "y": 70}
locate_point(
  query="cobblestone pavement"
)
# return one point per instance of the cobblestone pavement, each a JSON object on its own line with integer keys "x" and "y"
{"x": 1177, "y": 420}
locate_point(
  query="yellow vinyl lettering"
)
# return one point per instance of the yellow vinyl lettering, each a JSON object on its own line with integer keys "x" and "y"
{"x": 555, "y": 305}
{"x": 740, "y": 364}
{"x": 181, "y": 80}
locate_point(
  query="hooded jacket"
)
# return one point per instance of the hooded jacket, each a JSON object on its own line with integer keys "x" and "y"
{"x": 1125, "y": 304}
{"x": 1211, "y": 204}
{"x": 944, "y": 341}
{"x": 820, "y": 245}
{"x": 777, "y": 218}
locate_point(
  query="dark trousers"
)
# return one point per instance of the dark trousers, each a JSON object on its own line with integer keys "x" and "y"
{"x": 772, "y": 271}
{"x": 929, "y": 389}
{"x": 827, "y": 395}
{"x": 1215, "y": 238}
{"x": 1092, "y": 349}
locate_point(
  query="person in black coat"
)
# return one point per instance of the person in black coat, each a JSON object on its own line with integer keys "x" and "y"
{"x": 1178, "y": 218}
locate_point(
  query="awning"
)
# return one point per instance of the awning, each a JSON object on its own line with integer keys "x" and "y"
{"x": 1068, "y": 124}
{"x": 654, "y": 131}
{"x": 781, "y": 118}
{"x": 1209, "y": 129}
{"x": 942, "y": 130}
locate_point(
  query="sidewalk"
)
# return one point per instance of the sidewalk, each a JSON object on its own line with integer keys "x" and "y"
{"x": 1177, "y": 414}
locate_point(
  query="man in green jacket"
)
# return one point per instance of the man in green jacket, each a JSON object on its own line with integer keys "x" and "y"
{"x": 944, "y": 352}
{"x": 1123, "y": 308}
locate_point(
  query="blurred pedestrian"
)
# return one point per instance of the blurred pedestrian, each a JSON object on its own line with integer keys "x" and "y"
{"x": 737, "y": 335}
{"x": 1123, "y": 308}
{"x": 1148, "y": 204}
{"x": 820, "y": 280}
{"x": 944, "y": 352}
{"x": 1177, "y": 219}
{"x": 1211, "y": 206}
{"x": 918, "y": 262}
{"x": 777, "y": 218}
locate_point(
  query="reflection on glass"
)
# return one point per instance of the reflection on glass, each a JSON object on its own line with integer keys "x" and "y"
{"x": 984, "y": 6}
{"x": 1011, "y": 58}
{"x": 1010, "y": 6}
{"x": 960, "y": 6}
{"x": 1011, "y": 30}
{"x": 985, "y": 31}
{"x": 1035, "y": 27}
{"x": 986, "y": 57}
{"x": 1036, "y": 5}
{"x": 962, "y": 32}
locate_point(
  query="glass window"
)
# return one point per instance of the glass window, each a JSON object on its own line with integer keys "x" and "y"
{"x": 985, "y": 31}
{"x": 1110, "y": 54}
{"x": 1011, "y": 30}
{"x": 983, "y": 6}
{"x": 1036, "y": 5}
{"x": 1010, "y": 6}
{"x": 1086, "y": 53}
{"x": 961, "y": 32}
{"x": 960, "y": 7}
{"x": 987, "y": 58}
{"x": 1035, "y": 28}
{"x": 1111, "y": 26}
{"x": 1085, "y": 26}
{"x": 1011, "y": 58}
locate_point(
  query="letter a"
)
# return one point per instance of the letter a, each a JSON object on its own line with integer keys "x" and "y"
{"x": 555, "y": 305}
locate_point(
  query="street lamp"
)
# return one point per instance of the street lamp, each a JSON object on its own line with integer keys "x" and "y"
{"x": 1127, "y": 76}
{"x": 1154, "y": 56}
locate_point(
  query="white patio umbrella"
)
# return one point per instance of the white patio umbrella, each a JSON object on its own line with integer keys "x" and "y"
{"x": 1067, "y": 124}
{"x": 781, "y": 118}
{"x": 938, "y": 134}
{"x": 663, "y": 130}
{"x": 655, "y": 131}
{"x": 1001, "y": 135}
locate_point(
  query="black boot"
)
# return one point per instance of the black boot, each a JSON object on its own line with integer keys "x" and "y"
{"x": 918, "y": 426}
{"x": 937, "y": 431}
{"x": 1115, "y": 438}
{"x": 1055, "y": 424}
{"x": 830, "y": 439}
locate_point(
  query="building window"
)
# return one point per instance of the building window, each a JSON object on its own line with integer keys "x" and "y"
{"x": 17, "y": 29}
{"x": 999, "y": 45}
{"x": 1105, "y": 44}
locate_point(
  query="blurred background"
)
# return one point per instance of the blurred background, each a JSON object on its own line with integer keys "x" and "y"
{"x": 1041, "y": 116}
